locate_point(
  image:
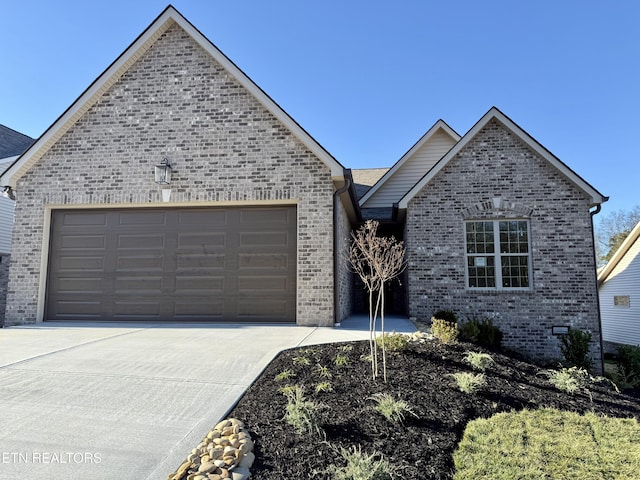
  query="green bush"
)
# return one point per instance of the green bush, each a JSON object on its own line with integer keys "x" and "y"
{"x": 360, "y": 466}
{"x": 469, "y": 382}
{"x": 569, "y": 380}
{"x": 482, "y": 332}
{"x": 444, "y": 330}
{"x": 447, "y": 315}
{"x": 301, "y": 413}
{"x": 393, "y": 342}
{"x": 628, "y": 366}
{"x": 548, "y": 444}
{"x": 575, "y": 348}
{"x": 479, "y": 361}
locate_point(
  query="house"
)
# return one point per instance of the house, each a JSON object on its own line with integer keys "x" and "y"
{"x": 242, "y": 229}
{"x": 12, "y": 144}
{"x": 619, "y": 290}
{"x": 495, "y": 226}
{"x": 175, "y": 189}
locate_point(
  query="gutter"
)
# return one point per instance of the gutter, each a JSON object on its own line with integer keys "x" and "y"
{"x": 593, "y": 213}
{"x": 347, "y": 187}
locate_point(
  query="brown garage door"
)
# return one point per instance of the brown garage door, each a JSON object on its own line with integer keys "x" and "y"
{"x": 222, "y": 264}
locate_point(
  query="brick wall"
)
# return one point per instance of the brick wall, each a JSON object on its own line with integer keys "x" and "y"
{"x": 4, "y": 280}
{"x": 224, "y": 146}
{"x": 496, "y": 163}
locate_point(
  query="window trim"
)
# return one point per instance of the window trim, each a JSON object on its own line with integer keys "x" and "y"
{"x": 497, "y": 256}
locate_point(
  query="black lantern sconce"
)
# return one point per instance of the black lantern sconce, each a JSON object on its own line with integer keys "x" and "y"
{"x": 163, "y": 172}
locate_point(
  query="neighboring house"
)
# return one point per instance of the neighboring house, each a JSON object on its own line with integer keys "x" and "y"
{"x": 619, "y": 289}
{"x": 254, "y": 223}
{"x": 248, "y": 231}
{"x": 495, "y": 226}
{"x": 12, "y": 144}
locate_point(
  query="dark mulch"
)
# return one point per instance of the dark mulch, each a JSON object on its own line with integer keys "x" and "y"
{"x": 422, "y": 448}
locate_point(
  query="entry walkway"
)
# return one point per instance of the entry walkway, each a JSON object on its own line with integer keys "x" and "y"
{"x": 129, "y": 401}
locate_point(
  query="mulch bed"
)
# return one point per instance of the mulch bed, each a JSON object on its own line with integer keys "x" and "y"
{"x": 423, "y": 446}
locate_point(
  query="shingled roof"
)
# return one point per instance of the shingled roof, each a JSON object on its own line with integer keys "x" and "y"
{"x": 13, "y": 143}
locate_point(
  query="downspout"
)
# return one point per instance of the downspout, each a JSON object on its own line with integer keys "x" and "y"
{"x": 592, "y": 213}
{"x": 348, "y": 182}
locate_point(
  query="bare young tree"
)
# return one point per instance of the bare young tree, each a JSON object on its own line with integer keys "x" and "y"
{"x": 377, "y": 261}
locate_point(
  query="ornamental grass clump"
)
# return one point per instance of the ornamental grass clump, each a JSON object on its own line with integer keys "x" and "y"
{"x": 302, "y": 414}
{"x": 360, "y": 466}
{"x": 469, "y": 382}
{"x": 568, "y": 380}
{"x": 478, "y": 360}
{"x": 393, "y": 342}
{"x": 390, "y": 408}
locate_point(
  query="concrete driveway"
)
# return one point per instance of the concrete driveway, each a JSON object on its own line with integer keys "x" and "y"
{"x": 123, "y": 401}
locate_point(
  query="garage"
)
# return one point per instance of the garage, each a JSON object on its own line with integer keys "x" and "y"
{"x": 232, "y": 264}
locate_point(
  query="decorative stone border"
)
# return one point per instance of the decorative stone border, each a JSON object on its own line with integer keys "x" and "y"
{"x": 225, "y": 452}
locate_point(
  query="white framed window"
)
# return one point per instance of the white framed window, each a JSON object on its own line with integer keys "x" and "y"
{"x": 498, "y": 254}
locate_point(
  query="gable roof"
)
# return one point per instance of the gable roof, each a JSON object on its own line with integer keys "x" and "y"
{"x": 13, "y": 143}
{"x": 596, "y": 197}
{"x": 141, "y": 45}
{"x": 365, "y": 178}
{"x": 440, "y": 125}
{"x": 622, "y": 250}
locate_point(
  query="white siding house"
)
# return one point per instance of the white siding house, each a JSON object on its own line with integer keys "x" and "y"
{"x": 619, "y": 290}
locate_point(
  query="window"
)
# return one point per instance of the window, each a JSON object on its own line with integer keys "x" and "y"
{"x": 622, "y": 301}
{"x": 498, "y": 254}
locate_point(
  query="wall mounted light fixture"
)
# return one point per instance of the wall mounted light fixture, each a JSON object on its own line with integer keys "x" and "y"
{"x": 163, "y": 172}
{"x": 8, "y": 192}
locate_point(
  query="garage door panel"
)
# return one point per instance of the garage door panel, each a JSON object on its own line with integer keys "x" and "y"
{"x": 145, "y": 283}
{"x": 197, "y": 261}
{"x": 202, "y": 241}
{"x": 142, "y": 241}
{"x": 83, "y": 242}
{"x": 83, "y": 264}
{"x": 192, "y": 264}
{"x": 142, "y": 217}
{"x": 199, "y": 284}
{"x": 140, "y": 263}
{"x": 260, "y": 261}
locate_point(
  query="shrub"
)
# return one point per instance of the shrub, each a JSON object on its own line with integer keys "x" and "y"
{"x": 301, "y": 414}
{"x": 569, "y": 380}
{"x": 323, "y": 371}
{"x": 393, "y": 342}
{"x": 324, "y": 387}
{"x": 444, "y": 330}
{"x": 301, "y": 360}
{"x": 482, "y": 332}
{"x": 341, "y": 360}
{"x": 390, "y": 408}
{"x": 546, "y": 444}
{"x": 447, "y": 315}
{"x": 575, "y": 349}
{"x": 469, "y": 382}
{"x": 478, "y": 360}
{"x": 628, "y": 366}
{"x": 284, "y": 375}
{"x": 360, "y": 466}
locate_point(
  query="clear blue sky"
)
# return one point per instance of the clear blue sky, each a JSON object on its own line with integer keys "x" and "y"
{"x": 367, "y": 78}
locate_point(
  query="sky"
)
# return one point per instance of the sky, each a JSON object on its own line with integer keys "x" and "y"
{"x": 368, "y": 78}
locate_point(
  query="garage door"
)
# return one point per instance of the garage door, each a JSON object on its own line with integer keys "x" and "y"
{"x": 231, "y": 264}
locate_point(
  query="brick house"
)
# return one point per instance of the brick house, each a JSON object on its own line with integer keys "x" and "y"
{"x": 255, "y": 220}
{"x": 495, "y": 226}
{"x": 243, "y": 231}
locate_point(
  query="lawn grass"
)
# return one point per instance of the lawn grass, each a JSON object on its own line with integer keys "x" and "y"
{"x": 549, "y": 443}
